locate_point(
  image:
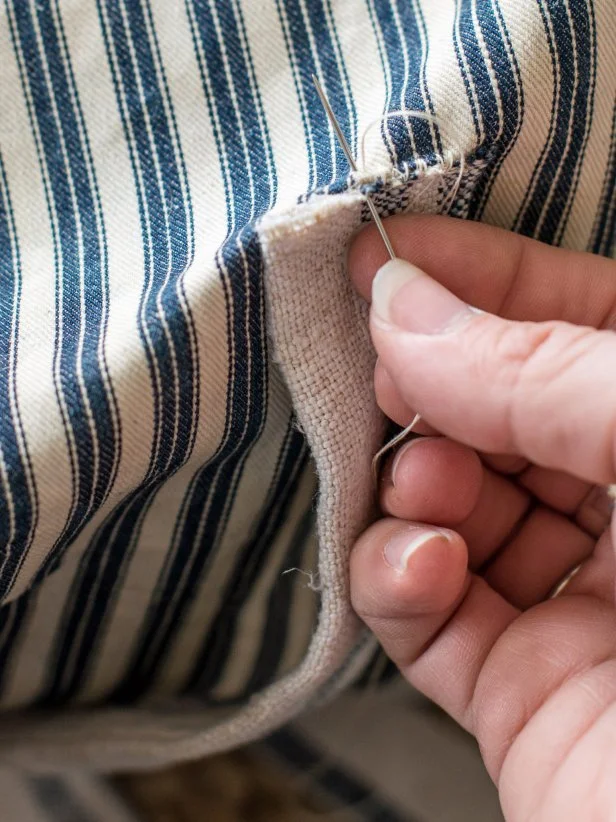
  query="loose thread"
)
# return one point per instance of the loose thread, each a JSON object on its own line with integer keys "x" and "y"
{"x": 313, "y": 577}
{"x": 393, "y": 443}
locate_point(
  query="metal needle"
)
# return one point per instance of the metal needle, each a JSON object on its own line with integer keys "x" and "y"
{"x": 345, "y": 147}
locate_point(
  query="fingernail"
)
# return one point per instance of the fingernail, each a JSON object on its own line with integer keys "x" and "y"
{"x": 402, "y": 545}
{"x": 406, "y": 297}
{"x": 399, "y": 455}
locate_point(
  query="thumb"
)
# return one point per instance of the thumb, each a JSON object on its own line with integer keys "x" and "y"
{"x": 545, "y": 391}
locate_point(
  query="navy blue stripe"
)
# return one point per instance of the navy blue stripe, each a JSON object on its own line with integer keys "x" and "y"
{"x": 79, "y": 249}
{"x": 405, "y": 58}
{"x": 479, "y": 79}
{"x": 500, "y": 129}
{"x": 585, "y": 51}
{"x": 80, "y": 246}
{"x": 276, "y": 627}
{"x": 103, "y": 243}
{"x": 333, "y": 72}
{"x": 217, "y": 646}
{"x": 211, "y": 495}
{"x": 424, "y": 78}
{"x": 604, "y": 231}
{"x": 559, "y": 163}
{"x": 325, "y": 157}
{"x": 247, "y": 147}
{"x": 585, "y": 95}
{"x": 91, "y": 597}
{"x": 18, "y": 495}
{"x": 259, "y": 107}
{"x": 166, "y": 223}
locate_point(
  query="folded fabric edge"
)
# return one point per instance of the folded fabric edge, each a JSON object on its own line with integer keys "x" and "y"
{"x": 319, "y": 337}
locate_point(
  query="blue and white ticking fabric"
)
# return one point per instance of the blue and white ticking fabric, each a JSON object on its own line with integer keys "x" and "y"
{"x": 179, "y": 349}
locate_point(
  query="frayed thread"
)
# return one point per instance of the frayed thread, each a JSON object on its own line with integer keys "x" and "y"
{"x": 313, "y": 583}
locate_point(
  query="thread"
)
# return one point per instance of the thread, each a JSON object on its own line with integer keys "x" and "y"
{"x": 409, "y": 113}
{"x": 313, "y": 577}
{"x": 430, "y": 118}
{"x": 389, "y": 446}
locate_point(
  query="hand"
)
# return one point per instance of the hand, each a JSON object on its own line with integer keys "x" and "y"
{"x": 489, "y": 513}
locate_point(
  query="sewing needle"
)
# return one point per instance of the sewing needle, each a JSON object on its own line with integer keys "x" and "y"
{"x": 403, "y": 435}
{"x": 347, "y": 151}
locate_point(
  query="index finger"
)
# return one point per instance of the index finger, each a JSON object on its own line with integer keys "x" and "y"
{"x": 493, "y": 269}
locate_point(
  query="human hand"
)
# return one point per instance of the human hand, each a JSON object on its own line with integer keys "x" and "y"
{"x": 488, "y": 516}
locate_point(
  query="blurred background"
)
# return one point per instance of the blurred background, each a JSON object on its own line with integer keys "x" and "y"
{"x": 383, "y": 756}
{"x": 376, "y": 754}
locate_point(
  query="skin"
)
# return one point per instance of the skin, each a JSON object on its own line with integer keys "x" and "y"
{"x": 506, "y": 491}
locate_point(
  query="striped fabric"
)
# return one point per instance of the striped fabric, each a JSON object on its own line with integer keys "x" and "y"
{"x": 75, "y": 797}
{"x": 155, "y": 485}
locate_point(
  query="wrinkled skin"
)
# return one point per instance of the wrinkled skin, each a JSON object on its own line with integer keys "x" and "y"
{"x": 499, "y": 501}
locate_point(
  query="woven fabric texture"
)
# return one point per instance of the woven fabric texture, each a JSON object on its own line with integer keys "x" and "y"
{"x": 182, "y": 362}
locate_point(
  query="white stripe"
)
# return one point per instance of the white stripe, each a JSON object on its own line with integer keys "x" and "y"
{"x": 32, "y": 658}
{"x": 506, "y": 38}
{"x": 275, "y": 81}
{"x": 425, "y": 47}
{"x": 347, "y": 90}
{"x": 207, "y": 503}
{"x": 556, "y": 74}
{"x": 246, "y": 54}
{"x": 299, "y": 90}
{"x": 11, "y": 367}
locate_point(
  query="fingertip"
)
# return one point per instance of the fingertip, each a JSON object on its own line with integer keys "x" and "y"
{"x": 367, "y": 252}
{"x": 432, "y": 479}
{"x": 389, "y": 398}
{"x": 366, "y": 255}
{"x": 400, "y": 569}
